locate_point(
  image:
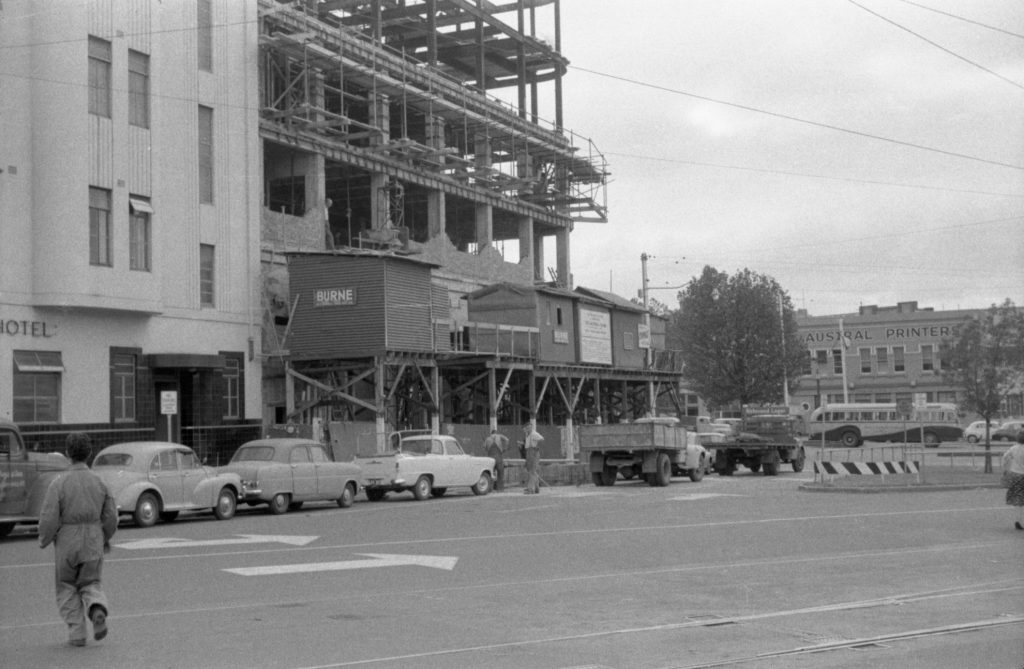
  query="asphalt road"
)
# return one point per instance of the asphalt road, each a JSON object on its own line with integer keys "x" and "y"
{"x": 742, "y": 571}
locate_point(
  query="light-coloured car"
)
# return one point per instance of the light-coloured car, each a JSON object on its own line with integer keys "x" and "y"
{"x": 426, "y": 465}
{"x": 285, "y": 472}
{"x": 975, "y": 432}
{"x": 153, "y": 480}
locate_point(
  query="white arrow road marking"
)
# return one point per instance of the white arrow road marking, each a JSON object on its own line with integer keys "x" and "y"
{"x": 170, "y": 542}
{"x": 377, "y": 560}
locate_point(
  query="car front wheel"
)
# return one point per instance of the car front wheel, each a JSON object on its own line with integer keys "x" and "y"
{"x": 971, "y": 439}
{"x": 226, "y": 504}
{"x": 483, "y": 485}
{"x": 348, "y": 495}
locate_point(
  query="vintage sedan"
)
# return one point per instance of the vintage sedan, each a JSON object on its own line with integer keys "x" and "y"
{"x": 158, "y": 479}
{"x": 285, "y": 472}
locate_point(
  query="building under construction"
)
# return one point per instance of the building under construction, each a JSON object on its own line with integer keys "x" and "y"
{"x": 403, "y": 140}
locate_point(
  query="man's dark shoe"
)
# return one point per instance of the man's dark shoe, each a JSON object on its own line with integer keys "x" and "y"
{"x": 1018, "y": 525}
{"x": 98, "y": 616}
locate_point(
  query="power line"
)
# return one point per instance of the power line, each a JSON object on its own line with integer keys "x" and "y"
{"x": 936, "y": 44}
{"x": 961, "y": 18}
{"x": 811, "y": 176}
{"x": 817, "y": 124}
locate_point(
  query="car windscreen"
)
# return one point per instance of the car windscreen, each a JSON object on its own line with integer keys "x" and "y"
{"x": 253, "y": 453}
{"x": 112, "y": 460}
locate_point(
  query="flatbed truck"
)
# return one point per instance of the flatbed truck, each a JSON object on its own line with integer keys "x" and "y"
{"x": 654, "y": 449}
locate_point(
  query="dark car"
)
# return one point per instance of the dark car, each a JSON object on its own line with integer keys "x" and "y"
{"x": 1008, "y": 431}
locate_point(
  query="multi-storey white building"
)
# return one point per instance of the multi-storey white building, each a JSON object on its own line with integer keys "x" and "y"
{"x": 130, "y": 174}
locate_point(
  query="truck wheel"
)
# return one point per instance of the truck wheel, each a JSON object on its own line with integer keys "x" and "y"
{"x": 798, "y": 461}
{"x": 697, "y": 473}
{"x": 483, "y": 484}
{"x": 279, "y": 503}
{"x": 5, "y": 529}
{"x": 421, "y": 489}
{"x": 663, "y": 471}
{"x": 147, "y": 510}
{"x": 375, "y": 494}
{"x": 771, "y": 469}
{"x": 755, "y": 467}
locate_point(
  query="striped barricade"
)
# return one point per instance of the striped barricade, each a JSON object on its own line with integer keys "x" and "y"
{"x": 843, "y": 468}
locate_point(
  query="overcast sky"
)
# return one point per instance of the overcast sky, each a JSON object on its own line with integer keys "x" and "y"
{"x": 712, "y": 116}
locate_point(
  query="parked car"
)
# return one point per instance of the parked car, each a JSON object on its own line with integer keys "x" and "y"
{"x": 975, "y": 432}
{"x": 426, "y": 465}
{"x": 1008, "y": 431}
{"x": 285, "y": 472}
{"x": 153, "y": 480}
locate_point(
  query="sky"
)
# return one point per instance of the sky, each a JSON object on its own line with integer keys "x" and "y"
{"x": 860, "y": 153}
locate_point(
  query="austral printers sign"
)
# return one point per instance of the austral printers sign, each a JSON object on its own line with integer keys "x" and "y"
{"x": 881, "y": 334}
{"x": 334, "y": 297}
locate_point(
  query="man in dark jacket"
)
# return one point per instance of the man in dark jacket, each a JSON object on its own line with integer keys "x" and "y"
{"x": 79, "y": 517}
{"x": 495, "y": 446}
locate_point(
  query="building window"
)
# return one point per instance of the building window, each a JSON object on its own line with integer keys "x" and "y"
{"x": 821, "y": 358}
{"x": 205, "y": 155}
{"x": 837, "y": 361}
{"x": 206, "y": 269}
{"x": 204, "y": 34}
{"x": 99, "y": 77}
{"x": 927, "y": 358}
{"x": 883, "y": 359}
{"x": 99, "y": 227}
{"x": 122, "y": 386}
{"x": 865, "y": 361}
{"x": 138, "y": 89}
{"x": 808, "y": 363}
{"x": 232, "y": 387}
{"x": 558, "y": 315}
{"x": 883, "y": 398}
{"x": 37, "y": 377}
{"x": 898, "y": 364}
{"x": 140, "y": 235}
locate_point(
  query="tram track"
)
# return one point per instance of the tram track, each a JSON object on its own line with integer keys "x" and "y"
{"x": 861, "y": 642}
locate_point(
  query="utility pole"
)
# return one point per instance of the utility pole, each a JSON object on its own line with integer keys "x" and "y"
{"x": 649, "y": 356}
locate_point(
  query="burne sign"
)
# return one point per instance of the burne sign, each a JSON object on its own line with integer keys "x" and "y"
{"x": 334, "y": 297}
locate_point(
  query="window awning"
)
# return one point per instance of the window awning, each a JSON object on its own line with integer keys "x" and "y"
{"x": 38, "y": 361}
{"x": 140, "y": 206}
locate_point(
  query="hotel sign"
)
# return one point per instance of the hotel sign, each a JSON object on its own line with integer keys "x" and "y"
{"x": 334, "y": 297}
{"x": 15, "y": 328}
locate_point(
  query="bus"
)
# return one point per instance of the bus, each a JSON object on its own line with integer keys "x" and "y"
{"x": 851, "y": 424}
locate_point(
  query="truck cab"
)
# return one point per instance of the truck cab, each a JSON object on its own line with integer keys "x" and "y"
{"x": 24, "y": 477}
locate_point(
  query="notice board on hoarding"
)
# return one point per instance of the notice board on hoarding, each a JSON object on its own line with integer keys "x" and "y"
{"x": 595, "y": 336}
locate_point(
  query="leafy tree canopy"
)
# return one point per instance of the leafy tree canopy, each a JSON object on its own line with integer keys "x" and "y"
{"x": 735, "y": 345}
{"x": 985, "y": 359}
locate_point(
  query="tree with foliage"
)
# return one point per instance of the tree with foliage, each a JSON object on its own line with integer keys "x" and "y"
{"x": 985, "y": 360}
{"x": 736, "y": 346}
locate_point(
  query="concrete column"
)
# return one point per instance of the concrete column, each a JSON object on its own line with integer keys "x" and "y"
{"x": 378, "y": 200}
{"x": 525, "y": 238}
{"x": 484, "y": 225}
{"x": 538, "y": 258}
{"x": 435, "y": 213}
{"x": 562, "y": 237}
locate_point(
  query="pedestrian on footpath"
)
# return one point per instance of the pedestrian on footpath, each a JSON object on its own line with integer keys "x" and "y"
{"x": 494, "y": 447}
{"x": 79, "y": 517}
{"x": 531, "y": 445}
{"x": 1013, "y": 478}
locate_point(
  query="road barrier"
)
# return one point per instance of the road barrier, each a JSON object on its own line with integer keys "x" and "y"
{"x": 871, "y": 461}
